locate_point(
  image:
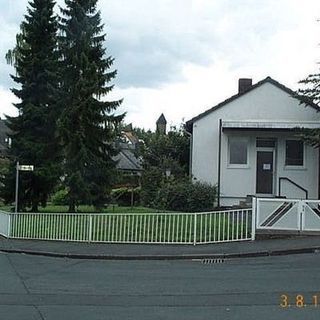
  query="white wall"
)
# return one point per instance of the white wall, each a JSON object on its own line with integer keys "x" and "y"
{"x": 267, "y": 102}
{"x": 306, "y": 177}
{"x": 237, "y": 182}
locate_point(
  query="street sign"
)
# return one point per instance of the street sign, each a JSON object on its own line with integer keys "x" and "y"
{"x": 20, "y": 168}
{"x": 26, "y": 168}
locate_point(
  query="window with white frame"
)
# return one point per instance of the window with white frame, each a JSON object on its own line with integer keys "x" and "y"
{"x": 294, "y": 153}
{"x": 238, "y": 151}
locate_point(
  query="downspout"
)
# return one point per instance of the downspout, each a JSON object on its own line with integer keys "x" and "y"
{"x": 190, "y": 135}
{"x": 190, "y": 155}
{"x": 219, "y": 163}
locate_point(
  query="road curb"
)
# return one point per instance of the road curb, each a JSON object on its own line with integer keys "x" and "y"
{"x": 166, "y": 257}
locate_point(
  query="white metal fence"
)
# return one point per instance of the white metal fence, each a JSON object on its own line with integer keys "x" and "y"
{"x": 154, "y": 228}
{"x": 287, "y": 214}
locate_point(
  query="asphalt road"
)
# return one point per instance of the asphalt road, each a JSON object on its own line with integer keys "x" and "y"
{"x": 53, "y": 288}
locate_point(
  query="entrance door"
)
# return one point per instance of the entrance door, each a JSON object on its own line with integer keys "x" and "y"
{"x": 264, "y": 181}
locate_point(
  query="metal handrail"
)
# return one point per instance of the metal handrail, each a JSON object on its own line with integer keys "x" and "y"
{"x": 292, "y": 182}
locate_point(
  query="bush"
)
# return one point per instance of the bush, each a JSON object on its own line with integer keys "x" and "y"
{"x": 186, "y": 196}
{"x": 60, "y": 197}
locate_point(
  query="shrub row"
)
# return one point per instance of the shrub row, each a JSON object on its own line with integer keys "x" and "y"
{"x": 186, "y": 196}
{"x": 163, "y": 194}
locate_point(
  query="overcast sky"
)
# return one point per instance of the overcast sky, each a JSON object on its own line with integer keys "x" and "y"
{"x": 181, "y": 57}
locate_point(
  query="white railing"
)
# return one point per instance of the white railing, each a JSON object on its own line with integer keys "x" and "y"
{"x": 224, "y": 226}
{"x": 4, "y": 223}
{"x": 152, "y": 228}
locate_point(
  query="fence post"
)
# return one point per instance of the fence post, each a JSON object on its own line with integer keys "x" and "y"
{"x": 253, "y": 218}
{"x": 9, "y": 225}
{"x": 195, "y": 230}
{"x": 301, "y": 209}
{"x": 90, "y": 228}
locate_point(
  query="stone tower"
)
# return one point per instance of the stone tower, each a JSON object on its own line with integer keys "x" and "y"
{"x": 162, "y": 124}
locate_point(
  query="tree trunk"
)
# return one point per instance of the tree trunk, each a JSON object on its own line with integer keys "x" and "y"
{"x": 72, "y": 206}
{"x": 34, "y": 207}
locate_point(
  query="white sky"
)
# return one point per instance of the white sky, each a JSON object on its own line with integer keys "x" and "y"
{"x": 181, "y": 57}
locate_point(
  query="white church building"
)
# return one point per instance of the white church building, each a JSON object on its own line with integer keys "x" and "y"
{"x": 249, "y": 145}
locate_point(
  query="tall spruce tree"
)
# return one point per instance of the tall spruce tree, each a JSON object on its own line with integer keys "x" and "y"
{"x": 88, "y": 125}
{"x": 35, "y": 58}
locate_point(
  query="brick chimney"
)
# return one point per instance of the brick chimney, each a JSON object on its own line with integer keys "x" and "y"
{"x": 244, "y": 84}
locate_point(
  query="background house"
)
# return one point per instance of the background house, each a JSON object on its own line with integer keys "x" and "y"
{"x": 248, "y": 144}
{"x": 127, "y": 161}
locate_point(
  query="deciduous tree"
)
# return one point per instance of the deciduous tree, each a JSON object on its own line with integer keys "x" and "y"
{"x": 310, "y": 92}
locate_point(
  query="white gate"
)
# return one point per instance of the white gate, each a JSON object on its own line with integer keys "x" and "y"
{"x": 311, "y": 215}
{"x": 287, "y": 214}
{"x": 4, "y": 224}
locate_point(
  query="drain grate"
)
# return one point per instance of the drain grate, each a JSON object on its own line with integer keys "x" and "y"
{"x": 212, "y": 261}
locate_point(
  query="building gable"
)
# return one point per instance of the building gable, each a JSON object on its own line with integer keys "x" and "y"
{"x": 301, "y": 101}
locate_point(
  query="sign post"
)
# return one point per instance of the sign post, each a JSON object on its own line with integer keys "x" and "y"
{"x": 17, "y": 188}
{"x": 20, "y": 168}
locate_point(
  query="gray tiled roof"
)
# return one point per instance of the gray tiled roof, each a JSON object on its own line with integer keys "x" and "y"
{"x": 126, "y": 159}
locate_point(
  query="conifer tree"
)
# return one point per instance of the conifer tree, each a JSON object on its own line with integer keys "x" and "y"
{"x": 35, "y": 59}
{"x": 87, "y": 125}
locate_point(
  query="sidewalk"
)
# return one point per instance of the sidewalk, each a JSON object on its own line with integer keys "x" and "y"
{"x": 156, "y": 252}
